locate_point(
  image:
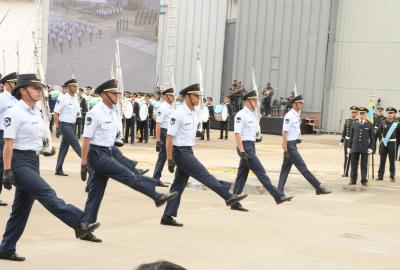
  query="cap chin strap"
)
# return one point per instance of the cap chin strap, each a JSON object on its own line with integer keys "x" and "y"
{"x": 190, "y": 97}
{"x": 251, "y": 104}
{"x": 27, "y": 92}
{"x": 9, "y": 84}
{"x": 115, "y": 103}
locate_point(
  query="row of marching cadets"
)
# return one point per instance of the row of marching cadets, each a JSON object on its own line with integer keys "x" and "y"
{"x": 175, "y": 134}
{"x": 361, "y": 139}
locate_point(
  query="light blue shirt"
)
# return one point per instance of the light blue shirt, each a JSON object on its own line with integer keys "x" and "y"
{"x": 246, "y": 124}
{"x": 291, "y": 124}
{"x": 164, "y": 114}
{"x": 26, "y": 126}
{"x": 67, "y": 107}
{"x": 6, "y": 102}
{"x": 101, "y": 125}
{"x": 183, "y": 126}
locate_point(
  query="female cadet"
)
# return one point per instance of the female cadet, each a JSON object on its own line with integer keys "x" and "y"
{"x": 24, "y": 130}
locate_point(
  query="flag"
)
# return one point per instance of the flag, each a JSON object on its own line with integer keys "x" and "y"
{"x": 370, "y": 115}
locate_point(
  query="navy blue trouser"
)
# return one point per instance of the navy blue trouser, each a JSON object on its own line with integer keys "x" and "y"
{"x": 384, "y": 151}
{"x": 68, "y": 139}
{"x": 257, "y": 168}
{"x": 29, "y": 186}
{"x": 294, "y": 158}
{"x": 162, "y": 155}
{"x": 1, "y": 159}
{"x": 110, "y": 163}
{"x": 188, "y": 165}
{"x": 355, "y": 159}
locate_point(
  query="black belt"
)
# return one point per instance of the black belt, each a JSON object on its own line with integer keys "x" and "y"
{"x": 67, "y": 123}
{"x": 183, "y": 147}
{"x": 94, "y": 146}
{"x": 27, "y": 152}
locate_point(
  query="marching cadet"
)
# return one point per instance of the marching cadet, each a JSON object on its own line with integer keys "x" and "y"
{"x": 389, "y": 133}
{"x": 245, "y": 136}
{"x": 107, "y": 160}
{"x": 344, "y": 141}
{"x": 65, "y": 114}
{"x": 163, "y": 116}
{"x": 181, "y": 136}
{"x": 361, "y": 143}
{"x": 291, "y": 135}
{"x": 7, "y": 100}
{"x": 24, "y": 137}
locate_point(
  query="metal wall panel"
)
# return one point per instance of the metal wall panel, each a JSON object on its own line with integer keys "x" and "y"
{"x": 199, "y": 24}
{"x": 366, "y": 58}
{"x": 285, "y": 41}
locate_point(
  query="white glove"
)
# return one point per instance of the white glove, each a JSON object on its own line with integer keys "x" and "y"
{"x": 348, "y": 150}
{"x": 370, "y": 151}
{"x": 341, "y": 145}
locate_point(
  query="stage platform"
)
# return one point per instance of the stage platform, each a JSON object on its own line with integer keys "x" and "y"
{"x": 271, "y": 125}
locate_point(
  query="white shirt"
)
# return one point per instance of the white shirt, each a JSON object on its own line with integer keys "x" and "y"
{"x": 291, "y": 124}
{"x": 183, "y": 126}
{"x": 246, "y": 124}
{"x": 67, "y": 107}
{"x": 6, "y": 102}
{"x": 25, "y": 126}
{"x": 164, "y": 114}
{"x": 101, "y": 125}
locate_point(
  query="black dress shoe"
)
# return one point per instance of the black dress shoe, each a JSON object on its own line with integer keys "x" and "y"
{"x": 284, "y": 199}
{"x": 11, "y": 257}
{"x": 161, "y": 184}
{"x": 84, "y": 229}
{"x": 170, "y": 221}
{"x": 379, "y": 178}
{"x": 239, "y": 207}
{"x": 163, "y": 198}
{"x": 3, "y": 203}
{"x": 392, "y": 179}
{"x": 235, "y": 198}
{"x": 141, "y": 171}
{"x": 351, "y": 184}
{"x": 364, "y": 183}
{"x": 61, "y": 173}
{"x": 91, "y": 238}
{"x": 322, "y": 190}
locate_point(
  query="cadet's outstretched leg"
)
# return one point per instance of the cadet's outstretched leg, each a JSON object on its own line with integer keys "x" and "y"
{"x": 97, "y": 187}
{"x": 285, "y": 170}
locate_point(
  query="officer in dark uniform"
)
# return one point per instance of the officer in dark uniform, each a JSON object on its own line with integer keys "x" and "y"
{"x": 65, "y": 114}
{"x": 389, "y": 133}
{"x": 163, "y": 116}
{"x": 107, "y": 161}
{"x": 345, "y": 139}
{"x": 181, "y": 137}
{"x": 7, "y": 100}
{"x": 245, "y": 137}
{"x": 24, "y": 134}
{"x": 379, "y": 117}
{"x": 361, "y": 144}
{"x": 291, "y": 135}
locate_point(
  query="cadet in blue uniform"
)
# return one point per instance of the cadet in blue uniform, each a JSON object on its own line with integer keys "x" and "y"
{"x": 24, "y": 133}
{"x": 344, "y": 141}
{"x": 162, "y": 121}
{"x": 65, "y": 114}
{"x": 107, "y": 161}
{"x": 180, "y": 140}
{"x": 7, "y": 100}
{"x": 389, "y": 133}
{"x": 245, "y": 136}
{"x": 291, "y": 135}
{"x": 361, "y": 144}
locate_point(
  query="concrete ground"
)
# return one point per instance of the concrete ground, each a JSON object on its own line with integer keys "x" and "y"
{"x": 356, "y": 229}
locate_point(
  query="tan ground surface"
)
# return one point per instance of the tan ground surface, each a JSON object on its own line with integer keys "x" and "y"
{"x": 346, "y": 230}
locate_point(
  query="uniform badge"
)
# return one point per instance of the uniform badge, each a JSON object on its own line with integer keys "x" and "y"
{"x": 287, "y": 120}
{"x": 238, "y": 119}
{"x": 172, "y": 122}
{"x": 7, "y": 121}
{"x": 88, "y": 121}
{"x": 159, "y": 113}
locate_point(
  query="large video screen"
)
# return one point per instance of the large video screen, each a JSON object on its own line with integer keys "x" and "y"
{"x": 82, "y": 41}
